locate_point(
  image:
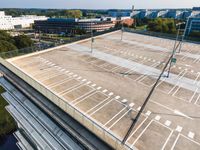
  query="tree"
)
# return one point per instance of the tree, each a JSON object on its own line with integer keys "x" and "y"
{"x": 162, "y": 25}
{"x": 165, "y": 28}
{"x": 6, "y": 46}
{"x": 6, "y": 37}
{"x": 72, "y": 13}
{"x": 171, "y": 26}
{"x": 23, "y": 41}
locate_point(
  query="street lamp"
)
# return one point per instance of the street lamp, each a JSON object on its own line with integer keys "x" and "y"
{"x": 183, "y": 36}
{"x": 92, "y": 38}
{"x": 92, "y": 41}
{"x": 122, "y": 31}
{"x": 173, "y": 59}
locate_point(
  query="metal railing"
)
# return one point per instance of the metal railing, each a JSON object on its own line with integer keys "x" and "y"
{"x": 40, "y": 47}
{"x": 162, "y": 35}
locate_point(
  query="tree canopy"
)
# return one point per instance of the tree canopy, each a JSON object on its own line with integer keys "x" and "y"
{"x": 23, "y": 41}
{"x": 162, "y": 25}
{"x": 8, "y": 43}
{"x": 72, "y": 13}
{"x": 6, "y": 46}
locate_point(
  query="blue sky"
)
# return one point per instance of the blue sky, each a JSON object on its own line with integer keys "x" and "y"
{"x": 98, "y": 4}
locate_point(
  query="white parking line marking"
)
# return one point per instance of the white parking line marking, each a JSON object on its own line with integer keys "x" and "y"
{"x": 167, "y": 140}
{"x": 178, "y": 78}
{"x": 139, "y": 108}
{"x": 197, "y": 99}
{"x": 193, "y": 95}
{"x": 148, "y": 113}
{"x": 98, "y": 88}
{"x": 104, "y": 91}
{"x": 114, "y": 116}
{"x": 167, "y": 123}
{"x": 84, "y": 80}
{"x": 137, "y": 128}
{"x": 79, "y": 78}
{"x": 191, "y": 135}
{"x": 111, "y": 93}
{"x": 157, "y": 118}
{"x": 58, "y": 83}
{"x": 117, "y": 97}
{"x": 141, "y": 133}
{"x": 131, "y": 105}
{"x": 179, "y": 128}
{"x": 88, "y": 82}
{"x": 93, "y": 85}
{"x": 75, "y": 75}
{"x": 118, "y": 119}
{"x": 146, "y": 129}
{"x": 101, "y": 106}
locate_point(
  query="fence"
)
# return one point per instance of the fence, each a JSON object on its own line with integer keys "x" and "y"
{"x": 40, "y": 47}
{"x": 163, "y": 35}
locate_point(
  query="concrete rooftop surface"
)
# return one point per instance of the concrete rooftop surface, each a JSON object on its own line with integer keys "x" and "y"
{"x": 110, "y": 84}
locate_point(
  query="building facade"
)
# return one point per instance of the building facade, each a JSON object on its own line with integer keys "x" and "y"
{"x": 181, "y": 14}
{"x": 119, "y": 14}
{"x": 193, "y": 25}
{"x": 10, "y": 23}
{"x": 57, "y": 25}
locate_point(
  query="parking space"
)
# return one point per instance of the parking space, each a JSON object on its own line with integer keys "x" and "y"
{"x": 78, "y": 93}
{"x": 111, "y": 91}
{"x": 184, "y": 143}
{"x": 106, "y": 116}
{"x": 154, "y": 131}
{"x": 91, "y": 101}
{"x": 65, "y": 86}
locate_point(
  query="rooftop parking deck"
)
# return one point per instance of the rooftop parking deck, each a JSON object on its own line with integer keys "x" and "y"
{"x": 110, "y": 85}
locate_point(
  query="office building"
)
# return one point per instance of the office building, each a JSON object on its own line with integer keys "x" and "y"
{"x": 10, "y": 23}
{"x": 61, "y": 25}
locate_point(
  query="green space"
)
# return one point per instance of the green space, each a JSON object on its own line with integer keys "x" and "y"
{"x": 7, "y": 123}
{"x": 9, "y": 43}
{"x": 164, "y": 25}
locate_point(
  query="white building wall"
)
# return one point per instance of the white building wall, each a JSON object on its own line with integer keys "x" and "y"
{"x": 9, "y": 22}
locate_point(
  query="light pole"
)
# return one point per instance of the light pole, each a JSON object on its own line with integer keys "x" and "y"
{"x": 183, "y": 36}
{"x": 92, "y": 39}
{"x": 173, "y": 59}
{"x": 122, "y": 31}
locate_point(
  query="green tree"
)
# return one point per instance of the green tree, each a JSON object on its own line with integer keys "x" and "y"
{"x": 6, "y": 37}
{"x": 171, "y": 26}
{"x": 162, "y": 25}
{"x": 23, "y": 41}
{"x": 6, "y": 46}
{"x": 72, "y": 13}
{"x": 165, "y": 28}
